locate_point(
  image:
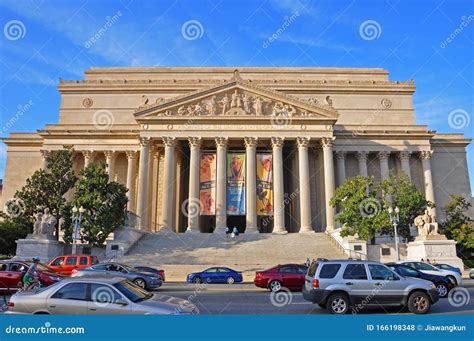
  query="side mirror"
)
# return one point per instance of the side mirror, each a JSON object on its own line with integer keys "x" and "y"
{"x": 121, "y": 301}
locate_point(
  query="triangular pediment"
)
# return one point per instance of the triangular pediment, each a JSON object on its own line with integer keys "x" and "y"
{"x": 236, "y": 98}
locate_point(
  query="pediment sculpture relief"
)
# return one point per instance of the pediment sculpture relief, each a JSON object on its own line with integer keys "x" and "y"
{"x": 237, "y": 103}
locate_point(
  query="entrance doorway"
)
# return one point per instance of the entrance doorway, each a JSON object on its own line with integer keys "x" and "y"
{"x": 207, "y": 223}
{"x": 236, "y": 221}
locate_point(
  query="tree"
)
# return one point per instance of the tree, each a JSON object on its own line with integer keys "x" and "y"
{"x": 104, "y": 203}
{"x": 457, "y": 225}
{"x": 47, "y": 188}
{"x": 361, "y": 211}
{"x": 401, "y": 192}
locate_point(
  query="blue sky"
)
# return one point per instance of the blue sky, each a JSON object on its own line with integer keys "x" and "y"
{"x": 45, "y": 40}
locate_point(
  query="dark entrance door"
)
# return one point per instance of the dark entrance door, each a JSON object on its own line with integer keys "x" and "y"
{"x": 236, "y": 221}
{"x": 207, "y": 223}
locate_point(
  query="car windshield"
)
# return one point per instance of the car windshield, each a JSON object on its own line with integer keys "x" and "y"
{"x": 133, "y": 292}
{"x": 129, "y": 268}
{"x": 424, "y": 266}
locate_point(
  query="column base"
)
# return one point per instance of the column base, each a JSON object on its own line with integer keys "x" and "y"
{"x": 193, "y": 230}
{"x": 279, "y": 230}
{"x": 306, "y": 229}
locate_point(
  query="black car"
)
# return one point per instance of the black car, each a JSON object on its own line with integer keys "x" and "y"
{"x": 149, "y": 269}
{"x": 443, "y": 284}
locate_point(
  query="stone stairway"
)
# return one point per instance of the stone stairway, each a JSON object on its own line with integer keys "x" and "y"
{"x": 179, "y": 254}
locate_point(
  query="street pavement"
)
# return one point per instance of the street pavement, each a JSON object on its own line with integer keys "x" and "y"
{"x": 248, "y": 299}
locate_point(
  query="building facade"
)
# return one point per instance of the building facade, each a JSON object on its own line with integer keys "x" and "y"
{"x": 258, "y": 148}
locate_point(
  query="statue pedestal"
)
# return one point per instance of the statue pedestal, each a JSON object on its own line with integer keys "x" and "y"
{"x": 436, "y": 248}
{"x": 45, "y": 247}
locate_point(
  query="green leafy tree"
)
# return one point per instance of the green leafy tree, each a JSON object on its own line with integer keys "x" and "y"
{"x": 401, "y": 192}
{"x": 360, "y": 209}
{"x": 46, "y": 189}
{"x": 104, "y": 203}
{"x": 458, "y": 226}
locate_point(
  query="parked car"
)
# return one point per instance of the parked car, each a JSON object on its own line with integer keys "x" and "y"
{"x": 338, "y": 285}
{"x": 65, "y": 264}
{"x": 12, "y": 271}
{"x": 97, "y": 295}
{"x": 145, "y": 280}
{"x": 215, "y": 275}
{"x": 448, "y": 267}
{"x": 290, "y": 276}
{"x": 443, "y": 284}
{"x": 453, "y": 276}
{"x": 471, "y": 274}
{"x": 149, "y": 269}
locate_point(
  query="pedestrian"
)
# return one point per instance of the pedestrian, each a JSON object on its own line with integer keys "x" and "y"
{"x": 308, "y": 262}
{"x": 428, "y": 261}
{"x": 227, "y": 232}
{"x": 235, "y": 232}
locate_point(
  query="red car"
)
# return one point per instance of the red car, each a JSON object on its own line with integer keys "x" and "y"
{"x": 12, "y": 271}
{"x": 291, "y": 276}
{"x": 67, "y": 263}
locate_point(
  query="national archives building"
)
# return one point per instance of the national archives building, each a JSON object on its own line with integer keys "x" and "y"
{"x": 257, "y": 148}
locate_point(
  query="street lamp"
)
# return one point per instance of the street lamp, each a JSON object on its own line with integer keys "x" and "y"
{"x": 77, "y": 219}
{"x": 394, "y": 219}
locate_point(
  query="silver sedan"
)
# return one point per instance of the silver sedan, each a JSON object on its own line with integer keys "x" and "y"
{"x": 97, "y": 296}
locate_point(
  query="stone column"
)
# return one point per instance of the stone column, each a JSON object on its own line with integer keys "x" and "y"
{"x": 110, "y": 160}
{"x": 251, "y": 184}
{"x": 384, "y": 171}
{"x": 404, "y": 157}
{"x": 329, "y": 183}
{"x": 87, "y": 157}
{"x": 221, "y": 184}
{"x": 362, "y": 158}
{"x": 130, "y": 179}
{"x": 44, "y": 155}
{"x": 194, "y": 204}
{"x": 278, "y": 189}
{"x": 169, "y": 184}
{"x": 143, "y": 181}
{"x": 304, "y": 184}
{"x": 429, "y": 189}
{"x": 341, "y": 166}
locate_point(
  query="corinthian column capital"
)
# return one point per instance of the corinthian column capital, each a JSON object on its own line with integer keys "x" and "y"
{"x": 383, "y": 155}
{"x": 327, "y": 142}
{"x": 426, "y": 154}
{"x": 169, "y": 141}
{"x": 303, "y": 142}
{"x": 221, "y": 141}
{"x": 341, "y": 155}
{"x": 277, "y": 142}
{"x": 194, "y": 141}
{"x": 250, "y": 142}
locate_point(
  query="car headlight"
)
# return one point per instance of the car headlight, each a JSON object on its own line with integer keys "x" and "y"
{"x": 433, "y": 286}
{"x": 452, "y": 280}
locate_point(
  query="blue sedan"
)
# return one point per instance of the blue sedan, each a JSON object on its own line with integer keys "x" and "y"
{"x": 215, "y": 275}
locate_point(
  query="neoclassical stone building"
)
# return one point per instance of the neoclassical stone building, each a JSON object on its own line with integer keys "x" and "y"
{"x": 259, "y": 148}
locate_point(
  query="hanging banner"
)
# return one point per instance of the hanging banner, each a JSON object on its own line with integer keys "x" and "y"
{"x": 236, "y": 183}
{"x": 207, "y": 183}
{"x": 264, "y": 184}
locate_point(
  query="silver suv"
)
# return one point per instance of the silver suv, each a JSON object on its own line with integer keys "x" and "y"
{"x": 339, "y": 285}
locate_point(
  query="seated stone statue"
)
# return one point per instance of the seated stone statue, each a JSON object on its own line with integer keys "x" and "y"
{"x": 426, "y": 224}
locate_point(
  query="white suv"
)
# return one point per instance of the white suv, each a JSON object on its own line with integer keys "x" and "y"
{"x": 453, "y": 276}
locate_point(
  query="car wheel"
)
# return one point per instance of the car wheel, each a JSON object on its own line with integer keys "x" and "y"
{"x": 338, "y": 304}
{"x": 453, "y": 280}
{"x": 419, "y": 303}
{"x": 275, "y": 286}
{"x": 197, "y": 280}
{"x": 140, "y": 282}
{"x": 230, "y": 280}
{"x": 442, "y": 289}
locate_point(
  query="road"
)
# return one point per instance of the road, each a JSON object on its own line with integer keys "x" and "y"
{"x": 247, "y": 299}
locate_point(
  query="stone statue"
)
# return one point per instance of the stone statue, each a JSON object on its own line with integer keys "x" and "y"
{"x": 247, "y": 103}
{"x": 225, "y": 104}
{"x": 212, "y": 106}
{"x": 144, "y": 101}
{"x": 236, "y": 100}
{"x": 329, "y": 101}
{"x": 258, "y": 106}
{"x": 426, "y": 224}
{"x": 37, "y": 224}
{"x": 48, "y": 223}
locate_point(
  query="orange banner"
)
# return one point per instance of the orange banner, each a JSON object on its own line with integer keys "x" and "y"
{"x": 207, "y": 183}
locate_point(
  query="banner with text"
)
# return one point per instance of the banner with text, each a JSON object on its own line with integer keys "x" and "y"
{"x": 264, "y": 184}
{"x": 207, "y": 183}
{"x": 236, "y": 184}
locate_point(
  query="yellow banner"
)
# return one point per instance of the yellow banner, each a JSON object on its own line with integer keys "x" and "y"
{"x": 207, "y": 183}
{"x": 264, "y": 184}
